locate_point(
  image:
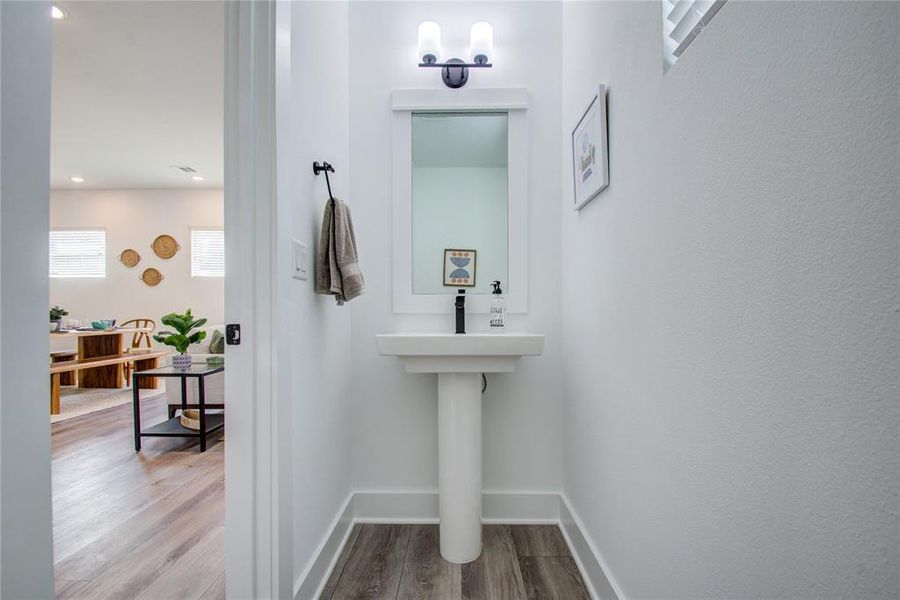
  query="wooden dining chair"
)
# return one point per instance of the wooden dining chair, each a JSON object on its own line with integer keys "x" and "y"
{"x": 138, "y": 339}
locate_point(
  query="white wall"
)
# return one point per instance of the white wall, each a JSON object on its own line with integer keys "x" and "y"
{"x": 26, "y": 548}
{"x": 395, "y": 422}
{"x": 133, "y": 219}
{"x": 730, "y": 331}
{"x": 319, "y": 330}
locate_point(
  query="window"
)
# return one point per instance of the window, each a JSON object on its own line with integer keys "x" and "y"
{"x": 207, "y": 252}
{"x": 683, "y": 21}
{"x": 78, "y": 253}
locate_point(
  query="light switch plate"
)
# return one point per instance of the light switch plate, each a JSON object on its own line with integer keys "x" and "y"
{"x": 300, "y": 260}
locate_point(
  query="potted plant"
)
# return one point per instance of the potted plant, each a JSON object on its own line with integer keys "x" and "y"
{"x": 56, "y": 315}
{"x": 183, "y": 336}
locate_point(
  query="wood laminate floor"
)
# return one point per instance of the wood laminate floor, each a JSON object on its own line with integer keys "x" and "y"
{"x": 145, "y": 525}
{"x": 404, "y": 561}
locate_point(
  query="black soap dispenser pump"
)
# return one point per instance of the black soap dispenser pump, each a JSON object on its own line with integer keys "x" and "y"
{"x": 498, "y": 309}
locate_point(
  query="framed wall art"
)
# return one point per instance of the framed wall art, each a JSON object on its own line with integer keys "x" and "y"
{"x": 590, "y": 152}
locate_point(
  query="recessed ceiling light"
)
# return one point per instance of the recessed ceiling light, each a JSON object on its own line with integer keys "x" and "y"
{"x": 58, "y": 13}
{"x": 196, "y": 178}
{"x": 77, "y": 179}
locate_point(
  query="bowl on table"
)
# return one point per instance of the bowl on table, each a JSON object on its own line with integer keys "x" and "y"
{"x": 103, "y": 324}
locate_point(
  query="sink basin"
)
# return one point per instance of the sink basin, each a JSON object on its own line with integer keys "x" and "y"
{"x": 466, "y": 353}
{"x": 459, "y": 361}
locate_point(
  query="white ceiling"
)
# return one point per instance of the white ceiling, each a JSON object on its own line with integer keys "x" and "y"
{"x": 137, "y": 87}
{"x": 459, "y": 140}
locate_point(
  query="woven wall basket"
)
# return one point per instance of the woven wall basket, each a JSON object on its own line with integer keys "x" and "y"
{"x": 130, "y": 257}
{"x": 151, "y": 277}
{"x": 165, "y": 246}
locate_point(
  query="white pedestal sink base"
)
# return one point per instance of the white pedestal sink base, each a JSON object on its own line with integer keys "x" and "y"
{"x": 459, "y": 361}
{"x": 459, "y": 465}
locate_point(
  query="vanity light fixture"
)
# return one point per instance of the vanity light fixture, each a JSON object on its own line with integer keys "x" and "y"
{"x": 455, "y": 71}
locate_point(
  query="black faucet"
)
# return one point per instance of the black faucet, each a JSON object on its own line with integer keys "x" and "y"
{"x": 460, "y": 305}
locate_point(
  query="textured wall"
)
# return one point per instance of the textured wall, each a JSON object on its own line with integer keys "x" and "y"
{"x": 730, "y": 331}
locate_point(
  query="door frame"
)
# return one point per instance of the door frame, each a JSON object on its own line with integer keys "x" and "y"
{"x": 26, "y": 532}
{"x": 258, "y": 491}
{"x": 259, "y": 533}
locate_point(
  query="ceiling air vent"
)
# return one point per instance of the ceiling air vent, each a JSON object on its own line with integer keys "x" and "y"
{"x": 184, "y": 168}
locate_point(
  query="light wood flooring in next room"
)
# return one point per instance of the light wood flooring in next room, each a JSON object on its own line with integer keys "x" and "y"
{"x": 136, "y": 525}
{"x": 518, "y": 562}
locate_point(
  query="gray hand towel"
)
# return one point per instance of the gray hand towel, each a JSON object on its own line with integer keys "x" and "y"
{"x": 337, "y": 264}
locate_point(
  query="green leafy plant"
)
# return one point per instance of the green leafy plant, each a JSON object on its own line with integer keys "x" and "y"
{"x": 57, "y": 313}
{"x": 184, "y": 334}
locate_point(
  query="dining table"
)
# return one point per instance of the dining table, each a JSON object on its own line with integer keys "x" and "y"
{"x": 104, "y": 343}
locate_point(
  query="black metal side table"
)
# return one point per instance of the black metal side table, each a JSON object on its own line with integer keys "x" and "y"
{"x": 172, "y": 427}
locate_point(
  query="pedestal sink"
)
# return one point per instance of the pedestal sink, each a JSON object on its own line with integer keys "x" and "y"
{"x": 459, "y": 361}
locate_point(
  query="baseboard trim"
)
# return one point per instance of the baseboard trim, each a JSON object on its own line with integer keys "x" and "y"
{"x": 313, "y": 579}
{"x": 512, "y": 508}
{"x": 594, "y": 570}
{"x": 422, "y": 507}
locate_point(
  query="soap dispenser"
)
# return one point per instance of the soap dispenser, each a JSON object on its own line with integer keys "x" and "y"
{"x": 498, "y": 308}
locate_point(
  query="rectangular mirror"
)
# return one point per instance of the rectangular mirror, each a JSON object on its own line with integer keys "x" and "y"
{"x": 459, "y": 206}
{"x": 460, "y": 184}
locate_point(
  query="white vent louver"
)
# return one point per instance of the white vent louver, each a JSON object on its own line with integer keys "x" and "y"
{"x": 683, "y": 21}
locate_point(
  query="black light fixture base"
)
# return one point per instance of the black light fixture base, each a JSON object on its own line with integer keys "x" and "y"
{"x": 455, "y": 73}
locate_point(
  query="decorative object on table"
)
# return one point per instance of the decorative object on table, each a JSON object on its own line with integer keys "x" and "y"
{"x": 590, "y": 151}
{"x": 129, "y": 257}
{"x": 215, "y": 360}
{"x": 190, "y": 418}
{"x": 56, "y": 315}
{"x": 103, "y": 324}
{"x": 217, "y": 342}
{"x": 165, "y": 246}
{"x": 183, "y": 336}
{"x": 151, "y": 277}
{"x": 459, "y": 267}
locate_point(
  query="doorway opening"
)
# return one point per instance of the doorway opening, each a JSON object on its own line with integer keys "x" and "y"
{"x": 136, "y": 235}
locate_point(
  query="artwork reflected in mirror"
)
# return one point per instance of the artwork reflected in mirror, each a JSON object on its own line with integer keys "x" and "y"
{"x": 459, "y": 267}
{"x": 459, "y": 201}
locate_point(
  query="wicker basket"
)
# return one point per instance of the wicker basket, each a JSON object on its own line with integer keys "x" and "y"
{"x": 165, "y": 246}
{"x": 130, "y": 258}
{"x": 151, "y": 277}
{"x": 190, "y": 418}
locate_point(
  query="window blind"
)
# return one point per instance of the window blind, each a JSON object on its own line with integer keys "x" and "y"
{"x": 683, "y": 21}
{"x": 78, "y": 253}
{"x": 207, "y": 253}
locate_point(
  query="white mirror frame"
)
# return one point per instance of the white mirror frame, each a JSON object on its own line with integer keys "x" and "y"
{"x": 514, "y": 102}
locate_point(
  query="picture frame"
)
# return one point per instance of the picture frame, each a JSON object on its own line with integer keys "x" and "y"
{"x": 590, "y": 150}
{"x": 460, "y": 267}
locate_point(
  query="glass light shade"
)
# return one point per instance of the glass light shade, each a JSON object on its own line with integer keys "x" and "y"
{"x": 481, "y": 42}
{"x": 429, "y": 42}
